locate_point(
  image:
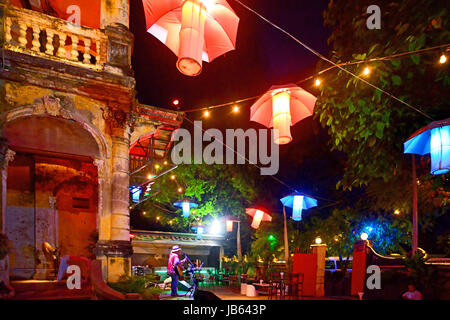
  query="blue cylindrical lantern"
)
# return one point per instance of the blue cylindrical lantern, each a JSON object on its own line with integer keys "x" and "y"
{"x": 297, "y": 208}
{"x": 435, "y": 140}
{"x": 185, "y": 205}
{"x": 440, "y": 150}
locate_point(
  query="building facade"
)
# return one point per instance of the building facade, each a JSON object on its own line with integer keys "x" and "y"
{"x": 68, "y": 118}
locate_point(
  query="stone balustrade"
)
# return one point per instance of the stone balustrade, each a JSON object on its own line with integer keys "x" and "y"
{"x": 37, "y": 34}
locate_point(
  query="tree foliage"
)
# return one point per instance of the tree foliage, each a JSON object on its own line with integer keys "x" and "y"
{"x": 365, "y": 124}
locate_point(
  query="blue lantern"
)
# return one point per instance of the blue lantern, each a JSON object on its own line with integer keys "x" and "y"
{"x": 298, "y": 202}
{"x": 185, "y": 205}
{"x": 433, "y": 139}
{"x": 136, "y": 192}
{"x": 199, "y": 228}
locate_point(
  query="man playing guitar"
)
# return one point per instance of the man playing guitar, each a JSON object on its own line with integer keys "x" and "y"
{"x": 175, "y": 269}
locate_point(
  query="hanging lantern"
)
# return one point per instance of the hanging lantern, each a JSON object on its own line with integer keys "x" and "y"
{"x": 281, "y": 107}
{"x": 229, "y": 225}
{"x": 298, "y": 202}
{"x": 433, "y": 139}
{"x": 195, "y": 30}
{"x": 258, "y": 216}
{"x": 199, "y": 231}
{"x": 282, "y": 116}
{"x": 193, "y": 16}
{"x": 185, "y": 205}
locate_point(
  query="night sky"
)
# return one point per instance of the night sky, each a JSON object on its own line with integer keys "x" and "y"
{"x": 263, "y": 57}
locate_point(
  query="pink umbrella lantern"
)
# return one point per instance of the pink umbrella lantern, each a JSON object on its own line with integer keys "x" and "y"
{"x": 258, "y": 216}
{"x": 281, "y": 107}
{"x": 195, "y": 30}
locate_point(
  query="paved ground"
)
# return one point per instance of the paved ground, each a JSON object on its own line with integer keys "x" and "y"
{"x": 233, "y": 293}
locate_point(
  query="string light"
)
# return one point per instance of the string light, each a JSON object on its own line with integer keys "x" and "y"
{"x": 150, "y": 177}
{"x": 144, "y": 212}
{"x": 165, "y": 163}
{"x": 206, "y": 114}
{"x": 235, "y": 109}
{"x": 180, "y": 190}
{"x": 172, "y": 177}
{"x": 157, "y": 218}
{"x": 443, "y": 59}
{"x": 366, "y": 71}
{"x": 175, "y": 102}
{"x": 156, "y": 166}
{"x": 317, "y": 82}
{"x": 397, "y": 212}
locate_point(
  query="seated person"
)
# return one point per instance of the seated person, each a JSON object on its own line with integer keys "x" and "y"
{"x": 412, "y": 293}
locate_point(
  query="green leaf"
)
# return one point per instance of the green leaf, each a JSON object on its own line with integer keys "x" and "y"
{"x": 396, "y": 63}
{"x": 415, "y": 59}
{"x": 396, "y": 80}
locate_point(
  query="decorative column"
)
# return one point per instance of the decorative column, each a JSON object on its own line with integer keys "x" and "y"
{"x": 115, "y": 12}
{"x": 6, "y": 155}
{"x": 114, "y": 245}
{"x": 320, "y": 251}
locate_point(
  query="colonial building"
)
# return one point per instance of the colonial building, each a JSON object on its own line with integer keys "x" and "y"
{"x": 68, "y": 118}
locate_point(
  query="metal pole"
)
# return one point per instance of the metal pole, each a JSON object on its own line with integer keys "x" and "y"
{"x": 286, "y": 242}
{"x": 239, "y": 249}
{"x": 415, "y": 233}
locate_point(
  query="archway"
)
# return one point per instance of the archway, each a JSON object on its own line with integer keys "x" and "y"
{"x": 52, "y": 190}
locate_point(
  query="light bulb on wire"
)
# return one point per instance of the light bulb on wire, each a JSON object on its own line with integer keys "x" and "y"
{"x": 235, "y": 109}
{"x": 443, "y": 59}
{"x": 317, "y": 82}
{"x": 206, "y": 113}
{"x": 366, "y": 71}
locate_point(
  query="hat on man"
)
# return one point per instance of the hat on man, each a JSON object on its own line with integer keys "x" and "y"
{"x": 175, "y": 249}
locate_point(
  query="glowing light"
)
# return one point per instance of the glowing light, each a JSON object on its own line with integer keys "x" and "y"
{"x": 297, "y": 208}
{"x": 364, "y": 236}
{"x": 229, "y": 225}
{"x": 193, "y": 17}
{"x": 144, "y": 213}
{"x": 318, "y": 240}
{"x": 209, "y": 4}
{"x": 150, "y": 177}
{"x": 440, "y": 150}
{"x": 206, "y": 114}
{"x": 156, "y": 166}
{"x": 282, "y": 116}
{"x": 317, "y": 82}
{"x": 176, "y": 102}
{"x": 172, "y": 177}
{"x": 443, "y": 59}
{"x": 165, "y": 163}
{"x": 170, "y": 222}
{"x": 186, "y": 209}
{"x": 235, "y": 109}
{"x": 366, "y": 71}
{"x": 397, "y": 212}
{"x": 180, "y": 190}
{"x": 215, "y": 227}
{"x": 157, "y": 218}
{"x": 257, "y": 218}
{"x": 336, "y": 239}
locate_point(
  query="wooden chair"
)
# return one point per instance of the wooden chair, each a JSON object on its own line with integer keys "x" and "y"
{"x": 295, "y": 286}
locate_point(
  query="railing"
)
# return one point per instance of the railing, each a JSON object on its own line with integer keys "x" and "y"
{"x": 41, "y": 35}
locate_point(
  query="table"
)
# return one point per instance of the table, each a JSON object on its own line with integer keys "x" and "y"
{"x": 262, "y": 288}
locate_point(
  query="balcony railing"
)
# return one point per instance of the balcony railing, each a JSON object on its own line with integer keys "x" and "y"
{"x": 44, "y": 36}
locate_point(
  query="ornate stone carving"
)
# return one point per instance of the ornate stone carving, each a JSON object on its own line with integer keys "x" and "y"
{"x": 115, "y": 117}
{"x": 52, "y": 202}
{"x": 51, "y": 106}
{"x": 100, "y": 164}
